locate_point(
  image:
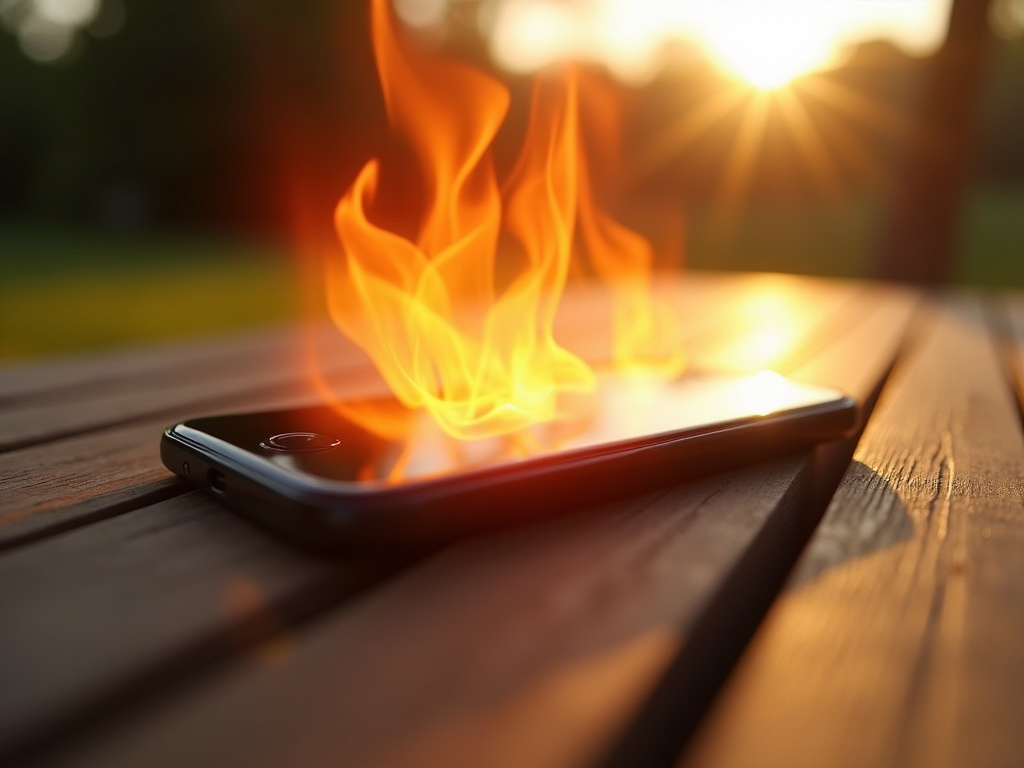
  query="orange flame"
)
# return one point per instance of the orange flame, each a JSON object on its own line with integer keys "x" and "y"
{"x": 481, "y": 358}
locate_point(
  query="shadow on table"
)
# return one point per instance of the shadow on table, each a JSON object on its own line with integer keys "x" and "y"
{"x": 865, "y": 516}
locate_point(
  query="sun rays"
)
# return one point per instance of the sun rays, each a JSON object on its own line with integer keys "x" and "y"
{"x": 834, "y": 129}
{"x": 770, "y": 103}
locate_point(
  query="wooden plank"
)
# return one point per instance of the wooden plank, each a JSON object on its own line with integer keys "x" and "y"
{"x": 897, "y": 641}
{"x": 854, "y": 361}
{"x": 534, "y": 647}
{"x": 136, "y": 599}
{"x": 158, "y": 391}
{"x": 471, "y": 658}
{"x": 103, "y": 665}
{"x": 98, "y": 369}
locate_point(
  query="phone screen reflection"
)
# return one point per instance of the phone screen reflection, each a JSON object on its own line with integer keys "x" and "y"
{"x": 623, "y": 411}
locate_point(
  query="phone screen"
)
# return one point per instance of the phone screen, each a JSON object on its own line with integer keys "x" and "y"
{"x": 622, "y": 413}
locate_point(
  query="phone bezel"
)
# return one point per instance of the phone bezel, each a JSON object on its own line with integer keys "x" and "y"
{"x": 329, "y": 515}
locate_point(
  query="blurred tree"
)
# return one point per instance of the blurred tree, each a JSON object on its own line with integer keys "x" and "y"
{"x": 208, "y": 113}
{"x": 921, "y": 236}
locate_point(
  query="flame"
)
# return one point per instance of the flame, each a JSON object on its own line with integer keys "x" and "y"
{"x": 448, "y": 337}
{"x": 646, "y": 333}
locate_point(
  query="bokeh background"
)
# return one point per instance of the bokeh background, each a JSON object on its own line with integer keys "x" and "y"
{"x": 159, "y": 161}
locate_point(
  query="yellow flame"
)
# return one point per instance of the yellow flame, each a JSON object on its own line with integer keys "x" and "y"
{"x": 480, "y": 358}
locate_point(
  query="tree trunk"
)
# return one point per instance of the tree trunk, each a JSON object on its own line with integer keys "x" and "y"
{"x": 920, "y": 237}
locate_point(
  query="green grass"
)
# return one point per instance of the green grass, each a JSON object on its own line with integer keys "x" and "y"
{"x": 63, "y": 292}
{"x": 838, "y": 240}
{"x": 992, "y": 242}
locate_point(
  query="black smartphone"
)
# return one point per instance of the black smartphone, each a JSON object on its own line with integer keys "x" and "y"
{"x": 321, "y": 480}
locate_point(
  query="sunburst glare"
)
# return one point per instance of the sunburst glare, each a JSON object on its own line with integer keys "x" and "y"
{"x": 763, "y": 43}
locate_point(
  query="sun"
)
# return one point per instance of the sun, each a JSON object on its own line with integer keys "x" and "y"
{"x": 770, "y": 55}
{"x": 765, "y": 69}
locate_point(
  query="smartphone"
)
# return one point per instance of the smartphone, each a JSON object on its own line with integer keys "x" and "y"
{"x": 322, "y": 481}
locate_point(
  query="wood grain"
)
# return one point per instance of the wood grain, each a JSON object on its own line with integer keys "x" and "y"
{"x": 136, "y": 598}
{"x": 205, "y": 381}
{"x": 534, "y": 647}
{"x": 897, "y": 641}
{"x": 85, "y": 372}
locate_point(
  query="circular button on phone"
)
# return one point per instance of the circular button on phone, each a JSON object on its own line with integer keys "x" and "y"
{"x": 300, "y": 442}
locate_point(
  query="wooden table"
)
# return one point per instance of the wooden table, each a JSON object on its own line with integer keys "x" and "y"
{"x": 809, "y": 611}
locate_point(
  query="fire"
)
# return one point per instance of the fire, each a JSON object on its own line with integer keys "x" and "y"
{"x": 449, "y": 335}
